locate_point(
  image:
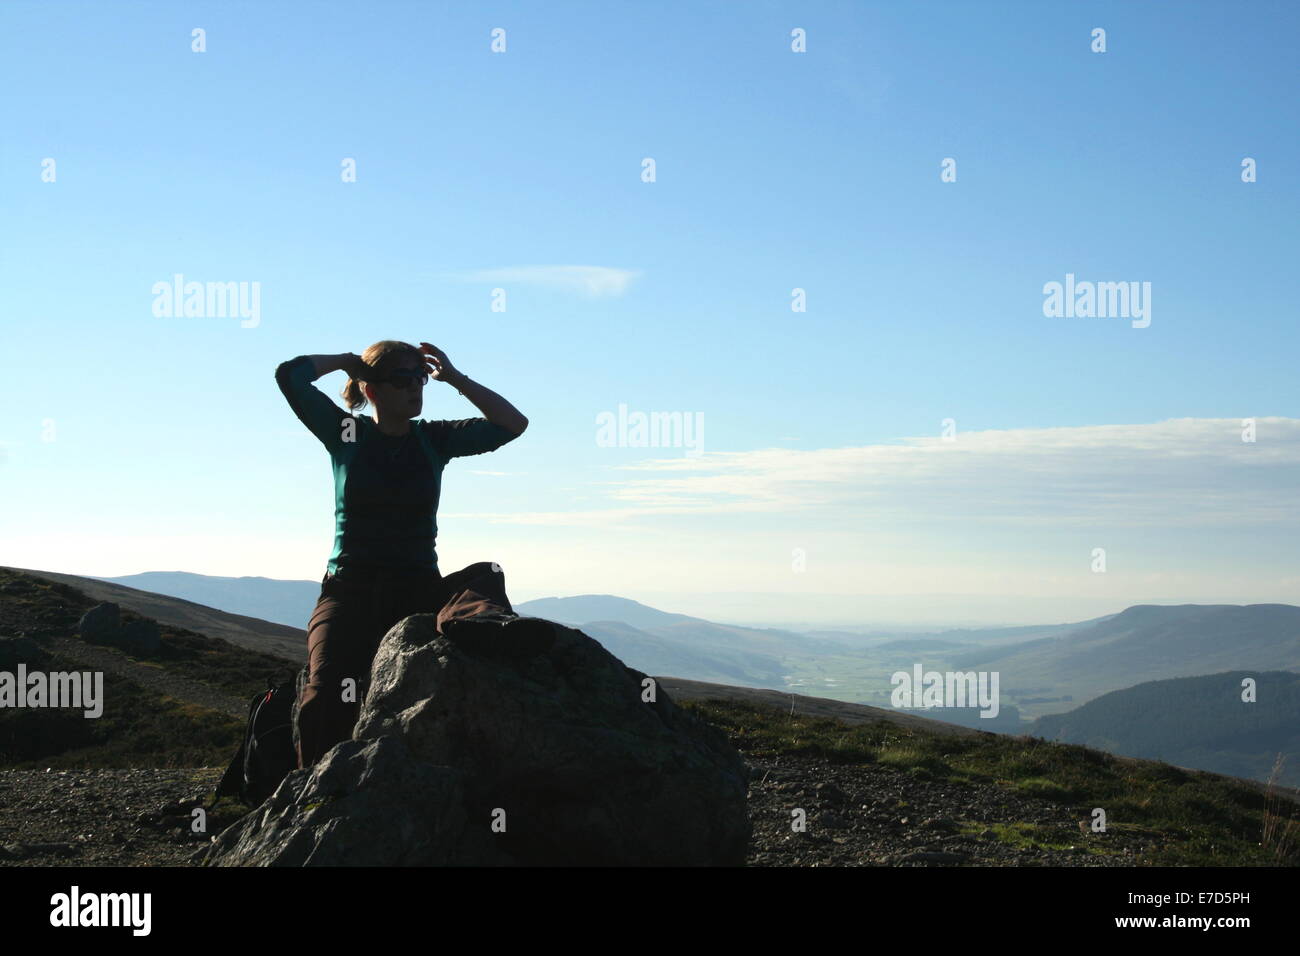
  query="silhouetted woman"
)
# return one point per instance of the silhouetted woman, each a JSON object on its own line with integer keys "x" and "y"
{"x": 387, "y": 479}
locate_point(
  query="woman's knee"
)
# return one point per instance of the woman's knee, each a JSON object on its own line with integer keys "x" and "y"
{"x": 334, "y": 687}
{"x": 449, "y": 583}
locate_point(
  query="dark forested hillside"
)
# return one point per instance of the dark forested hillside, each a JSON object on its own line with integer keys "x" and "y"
{"x": 1199, "y": 722}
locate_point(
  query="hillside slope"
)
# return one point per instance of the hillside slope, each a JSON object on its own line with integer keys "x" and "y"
{"x": 289, "y": 643}
{"x": 267, "y": 599}
{"x": 878, "y": 788}
{"x": 1146, "y": 643}
{"x": 1194, "y": 722}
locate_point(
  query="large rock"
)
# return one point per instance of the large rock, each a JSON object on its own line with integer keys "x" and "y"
{"x": 101, "y": 623}
{"x": 142, "y": 634}
{"x": 560, "y": 748}
{"x": 365, "y": 803}
{"x": 19, "y": 650}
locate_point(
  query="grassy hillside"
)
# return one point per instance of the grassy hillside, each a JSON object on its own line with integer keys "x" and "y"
{"x": 139, "y": 727}
{"x": 1194, "y": 818}
{"x": 1194, "y": 722}
{"x": 1199, "y": 819}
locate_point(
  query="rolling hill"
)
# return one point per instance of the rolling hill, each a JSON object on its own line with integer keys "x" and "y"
{"x": 1006, "y": 800}
{"x": 1197, "y": 722}
{"x": 1144, "y": 643}
{"x": 280, "y": 640}
{"x": 268, "y": 599}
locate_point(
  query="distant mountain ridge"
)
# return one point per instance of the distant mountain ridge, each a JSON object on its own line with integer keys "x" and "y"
{"x": 581, "y": 608}
{"x": 647, "y": 638}
{"x": 1147, "y": 643}
{"x": 661, "y": 642}
{"x": 269, "y": 599}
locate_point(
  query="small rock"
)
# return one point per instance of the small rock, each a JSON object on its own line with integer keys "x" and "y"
{"x": 32, "y": 849}
{"x": 939, "y": 823}
{"x": 828, "y": 791}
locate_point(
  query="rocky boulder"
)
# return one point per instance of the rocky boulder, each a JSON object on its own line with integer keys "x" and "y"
{"x": 464, "y": 757}
{"x": 19, "y": 650}
{"x": 100, "y": 624}
{"x": 141, "y": 634}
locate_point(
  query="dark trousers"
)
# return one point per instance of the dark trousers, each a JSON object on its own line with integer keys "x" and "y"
{"x": 355, "y": 610}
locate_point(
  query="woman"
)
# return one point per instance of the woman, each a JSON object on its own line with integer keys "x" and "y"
{"x": 387, "y": 480}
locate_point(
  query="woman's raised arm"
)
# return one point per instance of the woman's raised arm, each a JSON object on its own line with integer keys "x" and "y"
{"x": 322, "y": 417}
{"x": 348, "y": 362}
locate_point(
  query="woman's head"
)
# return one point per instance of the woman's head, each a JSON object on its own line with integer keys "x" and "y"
{"x": 389, "y": 399}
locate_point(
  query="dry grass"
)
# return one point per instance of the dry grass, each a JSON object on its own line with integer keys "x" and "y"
{"x": 1280, "y": 832}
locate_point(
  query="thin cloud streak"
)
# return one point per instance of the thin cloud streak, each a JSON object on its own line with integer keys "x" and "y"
{"x": 1181, "y": 472}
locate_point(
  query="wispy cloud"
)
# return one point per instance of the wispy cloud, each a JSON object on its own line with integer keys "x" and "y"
{"x": 590, "y": 281}
{"x": 1180, "y": 472}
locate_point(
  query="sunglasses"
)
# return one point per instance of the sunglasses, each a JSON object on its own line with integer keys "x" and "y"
{"x": 406, "y": 377}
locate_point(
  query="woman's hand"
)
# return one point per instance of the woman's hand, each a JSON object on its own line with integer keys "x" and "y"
{"x": 439, "y": 366}
{"x": 355, "y": 366}
{"x": 494, "y": 408}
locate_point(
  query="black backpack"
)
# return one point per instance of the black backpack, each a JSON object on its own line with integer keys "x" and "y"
{"x": 269, "y": 751}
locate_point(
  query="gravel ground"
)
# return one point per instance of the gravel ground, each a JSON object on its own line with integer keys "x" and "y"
{"x": 869, "y": 815}
{"x": 101, "y": 817}
{"x": 854, "y": 818}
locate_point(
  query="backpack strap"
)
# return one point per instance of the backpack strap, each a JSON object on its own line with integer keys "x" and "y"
{"x": 232, "y": 779}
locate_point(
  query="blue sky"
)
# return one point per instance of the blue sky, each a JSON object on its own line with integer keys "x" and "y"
{"x": 823, "y": 489}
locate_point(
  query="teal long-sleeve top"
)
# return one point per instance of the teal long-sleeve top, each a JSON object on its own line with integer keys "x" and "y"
{"x": 386, "y": 489}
